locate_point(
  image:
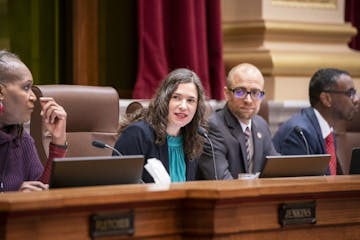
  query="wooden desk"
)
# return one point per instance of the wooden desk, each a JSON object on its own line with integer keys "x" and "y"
{"x": 238, "y": 209}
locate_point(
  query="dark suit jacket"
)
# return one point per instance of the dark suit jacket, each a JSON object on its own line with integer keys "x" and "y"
{"x": 287, "y": 141}
{"x": 228, "y": 140}
{"x": 139, "y": 138}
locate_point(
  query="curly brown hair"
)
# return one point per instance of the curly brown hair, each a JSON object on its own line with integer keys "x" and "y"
{"x": 157, "y": 112}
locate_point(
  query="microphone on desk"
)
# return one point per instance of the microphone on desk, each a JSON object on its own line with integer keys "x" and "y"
{"x": 299, "y": 130}
{"x": 100, "y": 144}
{"x": 202, "y": 131}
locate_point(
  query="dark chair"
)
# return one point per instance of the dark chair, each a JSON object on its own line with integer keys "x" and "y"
{"x": 264, "y": 110}
{"x": 347, "y": 137}
{"x": 93, "y": 114}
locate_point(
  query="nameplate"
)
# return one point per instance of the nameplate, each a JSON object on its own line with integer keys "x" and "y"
{"x": 297, "y": 213}
{"x": 112, "y": 224}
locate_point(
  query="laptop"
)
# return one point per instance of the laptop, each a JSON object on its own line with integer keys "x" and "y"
{"x": 295, "y": 165}
{"x": 91, "y": 171}
{"x": 355, "y": 161}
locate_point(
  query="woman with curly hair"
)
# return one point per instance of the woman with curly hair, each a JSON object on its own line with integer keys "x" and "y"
{"x": 167, "y": 129}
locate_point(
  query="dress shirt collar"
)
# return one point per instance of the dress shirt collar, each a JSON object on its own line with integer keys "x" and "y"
{"x": 324, "y": 125}
{"x": 244, "y": 126}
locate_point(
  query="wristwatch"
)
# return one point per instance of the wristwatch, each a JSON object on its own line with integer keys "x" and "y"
{"x": 65, "y": 146}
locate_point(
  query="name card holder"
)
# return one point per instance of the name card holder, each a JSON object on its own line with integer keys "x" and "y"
{"x": 112, "y": 224}
{"x": 297, "y": 213}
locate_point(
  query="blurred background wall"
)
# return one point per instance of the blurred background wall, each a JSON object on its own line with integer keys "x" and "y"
{"x": 96, "y": 42}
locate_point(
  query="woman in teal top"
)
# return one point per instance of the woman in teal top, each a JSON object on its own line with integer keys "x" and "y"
{"x": 176, "y": 159}
{"x": 167, "y": 130}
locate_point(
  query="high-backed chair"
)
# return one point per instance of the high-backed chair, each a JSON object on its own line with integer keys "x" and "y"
{"x": 92, "y": 114}
{"x": 264, "y": 110}
{"x": 347, "y": 137}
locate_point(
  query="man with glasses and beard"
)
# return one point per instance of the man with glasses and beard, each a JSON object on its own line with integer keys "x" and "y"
{"x": 239, "y": 138}
{"x": 332, "y": 98}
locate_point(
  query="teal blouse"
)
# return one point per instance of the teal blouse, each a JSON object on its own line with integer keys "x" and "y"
{"x": 177, "y": 166}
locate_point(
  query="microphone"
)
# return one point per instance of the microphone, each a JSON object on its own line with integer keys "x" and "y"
{"x": 100, "y": 144}
{"x": 202, "y": 131}
{"x": 299, "y": 130}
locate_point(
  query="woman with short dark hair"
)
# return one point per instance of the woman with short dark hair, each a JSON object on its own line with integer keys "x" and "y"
{"x": 20, "y": 166}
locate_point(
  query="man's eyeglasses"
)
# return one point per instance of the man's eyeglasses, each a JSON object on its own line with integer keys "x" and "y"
{"x": 242, "y": 93}
{"x": 351, "y": 93}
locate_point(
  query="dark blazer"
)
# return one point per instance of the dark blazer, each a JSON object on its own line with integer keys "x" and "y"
{"x": 228, "y": 140}
{"x": 287, "y": 141}
{"x": 139, "y": 138}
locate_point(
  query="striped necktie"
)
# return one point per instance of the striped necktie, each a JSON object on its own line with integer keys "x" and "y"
{"x": 247, "y": 145}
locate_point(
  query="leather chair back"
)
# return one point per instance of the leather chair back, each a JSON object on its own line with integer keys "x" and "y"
{"x": 92, "y": 114}
{"x": 347, "y": 137}
{"x": 264, "y": 110}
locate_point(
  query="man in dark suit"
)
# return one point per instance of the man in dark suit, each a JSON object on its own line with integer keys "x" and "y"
{"x": 241, "y": 139}
{"x": 310, "y": 131}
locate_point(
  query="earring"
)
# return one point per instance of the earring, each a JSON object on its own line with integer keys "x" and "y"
{"x": 1, "y": 107}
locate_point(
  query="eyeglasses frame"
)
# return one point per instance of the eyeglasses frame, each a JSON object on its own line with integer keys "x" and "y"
{"x": 260, "y": 97}
{"x": 351, "y": 93}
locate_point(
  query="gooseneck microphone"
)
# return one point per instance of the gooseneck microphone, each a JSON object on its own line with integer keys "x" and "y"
{"x": 99, "y": 144}
{"x": 299, "y": 130}
{"x": 202, "y": 131}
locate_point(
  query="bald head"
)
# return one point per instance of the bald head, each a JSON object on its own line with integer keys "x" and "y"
{"x": 9, "y": 63}
{"x": 246, "y": 72}
{"x": 244, "y": 91}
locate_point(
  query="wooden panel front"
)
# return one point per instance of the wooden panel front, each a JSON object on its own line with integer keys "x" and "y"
{"x": 194, "y": 210}
{"x": 157, "y": 220}
{"x": 261, "y": 218}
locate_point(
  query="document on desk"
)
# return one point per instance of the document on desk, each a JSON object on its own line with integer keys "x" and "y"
{"x": 157, "y": 171}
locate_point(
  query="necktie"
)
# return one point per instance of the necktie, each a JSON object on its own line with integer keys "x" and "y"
{"x": 247, "y": 145}
{"x": 330, "y": 148}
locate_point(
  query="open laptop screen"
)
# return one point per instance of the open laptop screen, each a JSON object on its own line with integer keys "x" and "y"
{"x": 295, "y": 165}
{"x": 91, "y": 171}
{"x": 355, "y": 161}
